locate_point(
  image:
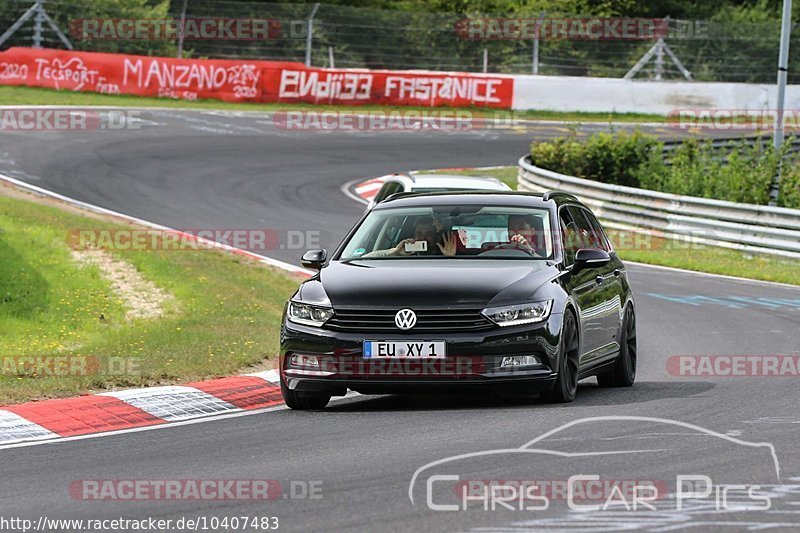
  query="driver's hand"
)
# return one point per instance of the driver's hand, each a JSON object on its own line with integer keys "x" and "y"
{"x": 521, "y": 241}
{"x": 449, "y": 245}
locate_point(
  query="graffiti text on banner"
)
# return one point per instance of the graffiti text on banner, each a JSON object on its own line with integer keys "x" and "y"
{"x": 248, "y": 81}
{"x": 328, "y": 86}
{"x": 188, "y": 79}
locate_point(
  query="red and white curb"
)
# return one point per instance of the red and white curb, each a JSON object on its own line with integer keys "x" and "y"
{"x": 137, "y": 408}
{"x": 366, "y": 190}
{"x": 57, "y": 419}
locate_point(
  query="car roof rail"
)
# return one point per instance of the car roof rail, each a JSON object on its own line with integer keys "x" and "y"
{"x": 401, "y": 194}
{"x": 548, "y": 195}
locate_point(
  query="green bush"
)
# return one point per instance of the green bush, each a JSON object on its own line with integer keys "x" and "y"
{"x": 790, "y": 187}
{"x": 741, "y": 172}
{"x": 606, "y": 157}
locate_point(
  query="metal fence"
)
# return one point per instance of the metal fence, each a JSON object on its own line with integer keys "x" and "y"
{"x": 345, "y": 36}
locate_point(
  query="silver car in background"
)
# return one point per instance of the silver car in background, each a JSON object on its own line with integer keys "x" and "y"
{"x": 395, "y": 183}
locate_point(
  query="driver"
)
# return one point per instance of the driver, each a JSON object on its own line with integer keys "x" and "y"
{"x": 522, "y": 232}
{"x": 424, "y": 230}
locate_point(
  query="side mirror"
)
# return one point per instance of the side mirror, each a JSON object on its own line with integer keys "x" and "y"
{"x": 314, "y": 259}
{"x": 590, "y": 258}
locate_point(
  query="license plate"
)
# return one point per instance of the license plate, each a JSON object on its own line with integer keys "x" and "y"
{"x": 404, "y": 350}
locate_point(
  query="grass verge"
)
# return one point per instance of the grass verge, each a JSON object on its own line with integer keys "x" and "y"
{"x": 223, "y": 317}
{"x": 39, "y": 96}
{"x": 672, "y": 253}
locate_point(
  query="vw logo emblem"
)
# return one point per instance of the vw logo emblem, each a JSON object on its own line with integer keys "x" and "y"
{"x": 405, "y": 319}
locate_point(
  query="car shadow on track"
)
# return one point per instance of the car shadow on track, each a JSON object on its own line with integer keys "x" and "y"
{"x": 589, "y": 394}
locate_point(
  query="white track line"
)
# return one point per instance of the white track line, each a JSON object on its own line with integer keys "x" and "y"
{"x": 271, "y": 376}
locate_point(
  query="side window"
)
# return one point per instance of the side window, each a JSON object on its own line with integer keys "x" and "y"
{"x": 602, "y": 239}
{"x": 388, "y": 189}
{"x": 569, "y": 232}
{"x": 588, "y": 236}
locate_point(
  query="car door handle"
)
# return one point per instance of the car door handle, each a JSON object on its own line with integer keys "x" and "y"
{"x": 617, "y": 272}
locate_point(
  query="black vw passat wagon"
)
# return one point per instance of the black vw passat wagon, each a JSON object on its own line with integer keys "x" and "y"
{"x": 516, "y": 292}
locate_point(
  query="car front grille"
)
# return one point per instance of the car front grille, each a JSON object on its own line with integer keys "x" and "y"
{"x": 434, "y": 320}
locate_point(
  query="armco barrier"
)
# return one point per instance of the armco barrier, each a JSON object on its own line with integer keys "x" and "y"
{"x": 750, "y": 228}
{"x": 248, "y": 81}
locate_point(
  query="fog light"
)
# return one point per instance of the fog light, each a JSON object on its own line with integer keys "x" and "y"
{"x": 304, "y": 360}
{"x": 520, "y": 360}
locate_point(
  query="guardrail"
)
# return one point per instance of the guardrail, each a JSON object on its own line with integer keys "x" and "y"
{"x": 749, "y": 228}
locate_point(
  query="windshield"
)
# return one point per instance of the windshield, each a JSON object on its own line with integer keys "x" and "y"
{"x": 452, "y": 231}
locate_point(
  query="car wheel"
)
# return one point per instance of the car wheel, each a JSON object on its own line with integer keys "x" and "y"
{"x": 623, "y": 373}
{"x": 303, "y": 401}
{"x": 566, "y": 385}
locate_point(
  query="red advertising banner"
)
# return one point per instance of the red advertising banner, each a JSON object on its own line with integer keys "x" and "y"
{"x": 248, "y": 81}
{"x": 385, "y": 87}
{"x": 188, "y": 79}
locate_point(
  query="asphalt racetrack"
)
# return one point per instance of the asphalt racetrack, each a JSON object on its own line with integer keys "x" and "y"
{"x": 364, "y": 464}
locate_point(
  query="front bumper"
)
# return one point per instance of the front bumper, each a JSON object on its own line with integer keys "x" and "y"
{"x": 472, "y": 362}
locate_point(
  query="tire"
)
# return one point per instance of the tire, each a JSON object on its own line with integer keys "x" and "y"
{"x": 566, "y": 386}
{"x": 623, "y": 373}
{"x": 303, "y": 401}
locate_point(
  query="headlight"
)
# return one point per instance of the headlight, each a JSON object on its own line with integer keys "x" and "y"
{"x": 309, "y": 315}
{"x": 512, "y": 315}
